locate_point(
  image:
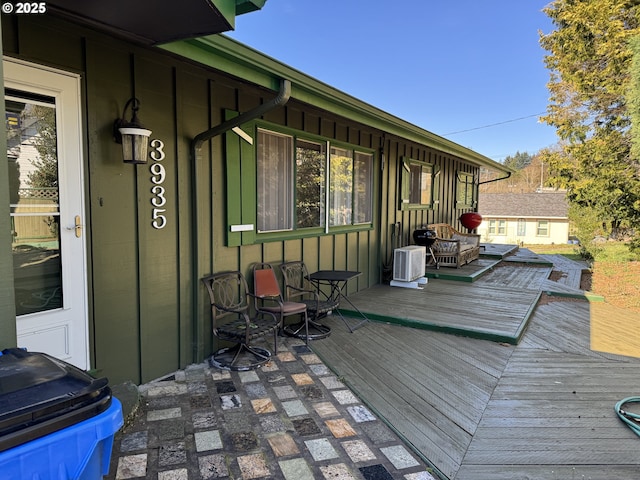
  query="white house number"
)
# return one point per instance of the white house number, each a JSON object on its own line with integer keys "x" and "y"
{"x": 158, "y": 174}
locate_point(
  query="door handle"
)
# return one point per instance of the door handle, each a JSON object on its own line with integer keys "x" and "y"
{"x": 77, "y": 227}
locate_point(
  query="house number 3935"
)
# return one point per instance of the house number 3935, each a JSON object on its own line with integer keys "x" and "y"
{"x": 158, "y": 175}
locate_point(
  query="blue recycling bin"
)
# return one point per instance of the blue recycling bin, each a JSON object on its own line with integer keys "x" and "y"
{"x": 56, "y": 421}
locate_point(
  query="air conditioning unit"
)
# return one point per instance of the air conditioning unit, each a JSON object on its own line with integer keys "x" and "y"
{"x": 409, "y": 263}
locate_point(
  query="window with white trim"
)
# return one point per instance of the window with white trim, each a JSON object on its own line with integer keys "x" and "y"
{"x": 293, "y": 176}
{"x": 311, "y": 161}
{"x": 465, "y": 190}
{"x": 542, "y": 228}
{"x": 362, "y": 188}
{"x": 417, "y": 184}
{"x": 497, "y": 227}
{"x": 275, "y": 182}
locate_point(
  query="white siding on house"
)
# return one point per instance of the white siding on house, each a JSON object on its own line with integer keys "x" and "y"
{"x": 557, "y": 231}
{"x": 529, "y": 218}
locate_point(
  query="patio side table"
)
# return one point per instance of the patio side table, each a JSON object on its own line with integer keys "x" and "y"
{"x": 337, "y": 281}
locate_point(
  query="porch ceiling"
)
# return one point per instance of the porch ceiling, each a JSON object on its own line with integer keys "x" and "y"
{"x": 157, "y": 21}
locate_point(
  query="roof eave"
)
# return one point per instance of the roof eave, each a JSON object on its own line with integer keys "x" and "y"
{"x": 227, "y": 55}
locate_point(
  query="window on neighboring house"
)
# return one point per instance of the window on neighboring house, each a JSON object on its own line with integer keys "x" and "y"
{"x": 542, "y": 228}
{"x": 417, "y": 184}
{"x": 293, "y": 179}
{"x": 465, "y": 191}
{"x": 522, "y": 227}
{"x": 275, "y": 182}
{"x": 497, "y": 227}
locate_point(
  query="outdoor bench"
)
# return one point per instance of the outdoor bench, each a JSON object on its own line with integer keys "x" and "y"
{"x": 453, "y": 248}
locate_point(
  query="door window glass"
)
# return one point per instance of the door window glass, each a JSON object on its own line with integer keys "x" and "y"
{"x": 34, "y": 201}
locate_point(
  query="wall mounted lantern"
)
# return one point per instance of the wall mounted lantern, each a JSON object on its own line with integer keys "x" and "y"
{"x": 132, "y": 135}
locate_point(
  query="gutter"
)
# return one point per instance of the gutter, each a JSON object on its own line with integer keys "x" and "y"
{"x": 196, "y": 144}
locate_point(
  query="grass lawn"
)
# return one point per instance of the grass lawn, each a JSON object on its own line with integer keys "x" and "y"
{"x": 615, "y": 272}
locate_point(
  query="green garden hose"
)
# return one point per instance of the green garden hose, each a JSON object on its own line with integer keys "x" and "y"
{"x": 631, "y": 419}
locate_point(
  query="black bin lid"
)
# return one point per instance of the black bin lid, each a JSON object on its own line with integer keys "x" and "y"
{"x": 40, "y": 394}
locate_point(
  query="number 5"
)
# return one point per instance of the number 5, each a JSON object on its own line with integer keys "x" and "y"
{"x": 159, "y": 220}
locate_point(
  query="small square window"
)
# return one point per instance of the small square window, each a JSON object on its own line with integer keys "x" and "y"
{"x": 465, "y": 191}
{"x": 542, "y": 228}
{"x": 497, "y": 227}
{"x": 417, "y": 184}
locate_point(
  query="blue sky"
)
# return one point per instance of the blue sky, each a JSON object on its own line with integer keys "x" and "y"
{"x": 446, "y": 66}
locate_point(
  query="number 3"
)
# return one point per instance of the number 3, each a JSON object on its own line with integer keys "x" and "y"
{"x": 158, "y": 175}
{"x": 158, "y": 150}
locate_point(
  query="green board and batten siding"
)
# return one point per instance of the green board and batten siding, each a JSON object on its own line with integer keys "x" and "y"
{"x": 148, "y": 312}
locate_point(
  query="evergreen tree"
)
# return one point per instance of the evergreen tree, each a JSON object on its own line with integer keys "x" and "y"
{"x": 590, "y": 60}
{"x": 518, "y": 161}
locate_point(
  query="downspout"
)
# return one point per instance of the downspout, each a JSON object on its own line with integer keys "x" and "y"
{"x": 280, "y": 100}
{"x": 495, "y": 179}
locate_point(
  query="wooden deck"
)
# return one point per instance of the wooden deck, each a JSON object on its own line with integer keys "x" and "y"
{"x": 496, "y": 306}
{"x": 479, "y": 409}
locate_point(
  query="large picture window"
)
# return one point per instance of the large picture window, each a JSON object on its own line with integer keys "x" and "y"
{"x": 306, "y": 183}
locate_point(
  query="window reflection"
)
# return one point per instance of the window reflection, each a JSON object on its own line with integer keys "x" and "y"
{"x": 34, "y": 201}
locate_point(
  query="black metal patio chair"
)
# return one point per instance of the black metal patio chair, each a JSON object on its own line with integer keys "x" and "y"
{"x": 298, "y": 288}
{"x": 234, "y": 322}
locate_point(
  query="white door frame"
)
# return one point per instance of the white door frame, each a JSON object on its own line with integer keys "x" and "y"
{"x": 68, "y": 324}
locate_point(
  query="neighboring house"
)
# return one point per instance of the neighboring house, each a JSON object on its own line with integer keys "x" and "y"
{"x": 250, "y": 161}
{"x": 524, "y": 218}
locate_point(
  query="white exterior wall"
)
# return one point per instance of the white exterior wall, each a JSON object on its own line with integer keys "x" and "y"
{"x": 558, "y": 231}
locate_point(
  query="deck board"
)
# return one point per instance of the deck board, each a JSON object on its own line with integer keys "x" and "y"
{"x": 437, "y": 406}
{"x": 478, "y": 409}
{"x": 489, "y": 308}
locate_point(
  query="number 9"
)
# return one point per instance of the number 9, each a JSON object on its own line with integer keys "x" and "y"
{"x": 158, "y": 172}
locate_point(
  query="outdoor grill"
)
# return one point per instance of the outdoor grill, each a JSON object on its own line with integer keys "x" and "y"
{"x": 426, "y": 238}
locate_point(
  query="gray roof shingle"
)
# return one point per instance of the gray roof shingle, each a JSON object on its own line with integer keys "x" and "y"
{"x": 539, "y": 205}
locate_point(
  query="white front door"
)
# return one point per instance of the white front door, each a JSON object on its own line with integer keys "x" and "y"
{"x": 44, "y": 151}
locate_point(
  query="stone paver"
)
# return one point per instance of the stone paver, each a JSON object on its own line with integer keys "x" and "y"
{"x": 292, "y": 419}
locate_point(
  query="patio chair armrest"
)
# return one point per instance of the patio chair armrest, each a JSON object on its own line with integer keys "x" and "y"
{"x": 304, "y": 290}
{"x": 241, "y": 310}
{"x": 264, "y": 297}
{"x": 265, "y": 313}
